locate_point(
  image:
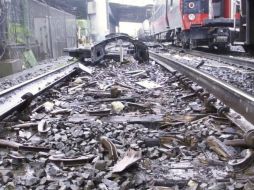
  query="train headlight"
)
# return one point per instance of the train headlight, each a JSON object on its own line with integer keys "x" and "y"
{"x": 191, "y": 17}
{"x": 191, "y": 5}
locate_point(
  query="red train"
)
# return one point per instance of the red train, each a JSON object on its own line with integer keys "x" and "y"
{"x": 192, "y": 23}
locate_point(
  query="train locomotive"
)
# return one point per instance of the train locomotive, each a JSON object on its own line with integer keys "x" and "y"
{"x": 192, "y": 23}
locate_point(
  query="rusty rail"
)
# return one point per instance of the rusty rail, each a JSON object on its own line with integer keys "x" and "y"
{"x": 236, "y": 99}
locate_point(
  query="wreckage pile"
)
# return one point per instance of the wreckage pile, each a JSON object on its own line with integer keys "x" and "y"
{"x": 122, "y": 126}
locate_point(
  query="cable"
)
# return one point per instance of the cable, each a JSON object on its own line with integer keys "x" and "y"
{"x": 4, "y": 49}
{"x": 3, "y": 11}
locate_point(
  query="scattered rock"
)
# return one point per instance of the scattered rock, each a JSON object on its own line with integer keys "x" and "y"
{"x": 100, "y": 165}
{"x": 31, "y": 181}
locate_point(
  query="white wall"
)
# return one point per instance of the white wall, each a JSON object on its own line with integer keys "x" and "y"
{"x": 133, "y": 2}
{"x": 99, "y": 21}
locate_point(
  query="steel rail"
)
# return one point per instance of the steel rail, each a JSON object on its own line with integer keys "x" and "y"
{"x": 236, "y": 99}
{"x": 247, "y": 64}
{"x": 238, "y": 62}
{"x": 13, "y": 98}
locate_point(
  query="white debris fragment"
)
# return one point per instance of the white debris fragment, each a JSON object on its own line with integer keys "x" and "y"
{"x": 182, "y": 57}
{"x": 148, "y": 84}
{"x": 49, "y": 106}
{"x": 117, "y": 106}
{"x": 85, "y": 69}
{"x": 78, "y": 81}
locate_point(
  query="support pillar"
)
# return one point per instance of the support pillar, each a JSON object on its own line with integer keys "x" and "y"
{"x": 250, "y": 23}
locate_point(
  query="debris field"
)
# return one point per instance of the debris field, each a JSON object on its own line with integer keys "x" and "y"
{"x": 122, "y": 126}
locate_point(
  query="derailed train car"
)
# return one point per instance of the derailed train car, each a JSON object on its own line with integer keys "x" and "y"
{"x": 193, "y": 23}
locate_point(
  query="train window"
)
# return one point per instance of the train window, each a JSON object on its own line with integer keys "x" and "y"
{"x": 195, "y": 6}
{"x": 218, "y": 7}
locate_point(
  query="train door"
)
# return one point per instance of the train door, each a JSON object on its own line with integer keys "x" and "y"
{"x": 221, "y": 8}
{"x": 218, "y": 8}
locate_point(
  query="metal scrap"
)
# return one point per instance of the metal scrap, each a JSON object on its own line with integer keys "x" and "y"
{"x": 98, "y": 51}
{"x": 242, "y": 164}
{"x": 110, "y": 147}
{"x": 131, "y": 157}
{"x": 140, "y": 53}
{"x": 18, "y": 146}
{"x": 43, "y": 126}
{"x": 85, "y": 69}
{"x": 60, "y": 111}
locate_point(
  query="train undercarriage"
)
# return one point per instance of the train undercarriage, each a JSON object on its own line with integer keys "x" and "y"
{"x": 213, "y": 37}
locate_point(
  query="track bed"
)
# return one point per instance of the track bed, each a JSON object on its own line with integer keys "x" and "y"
{"x": 106, "y": 131}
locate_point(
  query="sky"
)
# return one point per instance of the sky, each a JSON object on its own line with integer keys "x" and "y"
{"x": 129, "y": 28}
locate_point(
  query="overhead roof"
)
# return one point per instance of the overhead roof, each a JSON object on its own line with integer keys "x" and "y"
{"x": 128, "y": 13}
{"x": 75, "y": 7}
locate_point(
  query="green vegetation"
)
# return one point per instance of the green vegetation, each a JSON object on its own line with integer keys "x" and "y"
{"x": 18, "y": 33}
{"x": 84, "y": 26}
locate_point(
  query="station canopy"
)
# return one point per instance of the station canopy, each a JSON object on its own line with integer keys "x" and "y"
{"x": 129, "y": 13}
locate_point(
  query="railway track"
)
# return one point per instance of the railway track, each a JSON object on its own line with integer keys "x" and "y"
{"x": 15, "y": 97}
{"x": 128, "y": 126}
{"x": 240, "y": 78}
{"x": 236, "y": 99}
{"x": 239, "y": 62}
{"x": 230, "y": 60}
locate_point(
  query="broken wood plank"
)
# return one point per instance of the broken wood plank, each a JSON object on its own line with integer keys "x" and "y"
{"x": 98, "y": 94}
{"x": 18, "y": 146}
{"x": 189, "y": 96}
{"x": 170, "y": 183}
{"x": 220, "y": 148}
{"x": 143, "y": 73}
{"x": 134, "y": 72}
{"x": 184, "y": 118}
{"x": 171, "y": 124}
{"x": 131, "y": 99}
{"x": 99, "y": 112}
{"x": 71, "y": 161}
{"x": 61, "y": 111}
{"x": 123, "y": 85}
{"x": 25, "y": 125}
{"x": 9, "y": 144}
{"x": 78, "y": 118}
{"x": 148, "y": 84}
{"x": 85, "y": 85}
{"x": 141, "y": 106}
{"x": 142, "y": 119}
